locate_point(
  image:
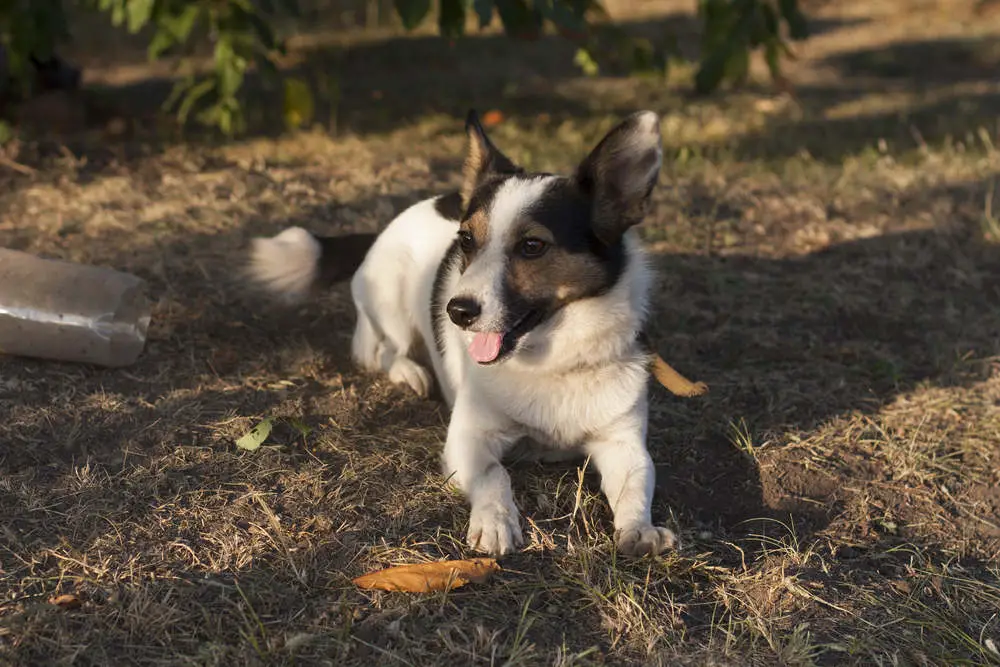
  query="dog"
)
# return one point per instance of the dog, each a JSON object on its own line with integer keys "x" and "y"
{"x": 528, "y": 294}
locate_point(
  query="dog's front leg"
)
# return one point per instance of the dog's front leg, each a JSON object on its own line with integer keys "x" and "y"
{"x": 627, "y": 479}
{"x": 477, "y": 440}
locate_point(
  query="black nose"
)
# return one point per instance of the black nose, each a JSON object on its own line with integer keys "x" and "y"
{"x": 464, "y": 311}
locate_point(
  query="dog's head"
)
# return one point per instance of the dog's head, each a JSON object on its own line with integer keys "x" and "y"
{"x": 533, "y": 243}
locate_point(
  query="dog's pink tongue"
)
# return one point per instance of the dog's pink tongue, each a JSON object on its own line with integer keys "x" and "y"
{"x": 485, "y": 346}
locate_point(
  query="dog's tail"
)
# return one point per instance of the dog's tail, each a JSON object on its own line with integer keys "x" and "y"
{"x": 296, "y": 262}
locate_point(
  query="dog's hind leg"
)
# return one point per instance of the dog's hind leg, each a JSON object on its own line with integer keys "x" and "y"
{"x": 367, "y": 346}
{"x": 395, "y": 358}
{"x": 385, "y": 343}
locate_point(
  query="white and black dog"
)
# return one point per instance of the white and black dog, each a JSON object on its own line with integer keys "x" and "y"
{"x": 527, "y": 293}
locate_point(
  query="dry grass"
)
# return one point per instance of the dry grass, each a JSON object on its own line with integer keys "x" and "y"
{"x": 829, "y": 266}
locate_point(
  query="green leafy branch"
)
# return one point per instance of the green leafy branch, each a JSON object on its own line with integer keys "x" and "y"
{"x": 242, "y": 35}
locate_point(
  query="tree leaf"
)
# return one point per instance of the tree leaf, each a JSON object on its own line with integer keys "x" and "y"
{"x": 194, "y": 93}
{"x": 181, "y": 24}
{"x": 712, "y": 70}
{"x": 229, "y": 67}
{"x": 585, "y": 61}
{"x": 6, "y": 132}
{"x": 119, "y": 12}
{"x": 798, "y": 28}
{"x": 451, "y": 18}
{"x": 256, "y": 436}
{"x": 173, "y": 29}
{"x": 717, "y": 19}
{"x": 519, "y": 20}
{"x": 738, "y": 66}
{"x": 563, "y": 13}
{"x": 298, "y": 106}
{"x": 412, "y": 12}
{"x": 484, "y": 9}
{"x": 770, "y": 19}
{"x": 162, "y": 40}
{"x": 772, "y": 55}
{"x": 138, "y": 13}
{"x": 759, "y": 25}
{"x": 265, "y": 34}
{"x": 643, "y": 55}
{"x": 427, "y": 577}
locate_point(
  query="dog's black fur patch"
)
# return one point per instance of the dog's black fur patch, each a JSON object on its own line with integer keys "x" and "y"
{"x": 340, "y": 256}
{"x": 566, "y": 212}
{"x": 449, "y": 206}
{"x": 439, "y": 299}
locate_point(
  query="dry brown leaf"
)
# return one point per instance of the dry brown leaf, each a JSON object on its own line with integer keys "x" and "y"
{"x": 427, "y": 577}
{"x": 66, "y": 601}
{"x": 674, "y": 382}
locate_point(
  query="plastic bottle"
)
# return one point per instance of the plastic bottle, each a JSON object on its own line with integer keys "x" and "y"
{"x": 59, "y": 310}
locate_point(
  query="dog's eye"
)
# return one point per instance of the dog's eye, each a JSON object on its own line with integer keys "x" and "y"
{"x": 466, "y": 240}
{"x": 531, "y": 248}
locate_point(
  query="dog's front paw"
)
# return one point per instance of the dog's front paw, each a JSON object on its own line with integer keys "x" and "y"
{"x": 494, "y": 529}
{"x": 407, "y": 372}
{"x": 642, "y": 539}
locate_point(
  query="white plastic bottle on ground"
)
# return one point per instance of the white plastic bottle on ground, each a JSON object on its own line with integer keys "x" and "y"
{"x": 59, "y": 310}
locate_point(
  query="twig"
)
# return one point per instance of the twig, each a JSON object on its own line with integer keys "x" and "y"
{"x": 17, "y": 166}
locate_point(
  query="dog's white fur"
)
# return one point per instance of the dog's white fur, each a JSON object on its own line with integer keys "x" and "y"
{"x": 577, "y": 383}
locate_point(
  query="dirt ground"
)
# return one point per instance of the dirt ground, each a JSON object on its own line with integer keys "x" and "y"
{"x": 829, "y": 264}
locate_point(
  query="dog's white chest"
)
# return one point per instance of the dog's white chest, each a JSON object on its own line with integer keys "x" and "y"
{"x": 568, "y": 409}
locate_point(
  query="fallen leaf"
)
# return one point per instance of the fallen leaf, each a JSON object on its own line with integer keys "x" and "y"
{"x": 492, "y": 118}
{"x": 427, "y": 577}
{"x": 256, "y": 436}
{"x": 66, "y": 601}
{"x": 674, "y": 382}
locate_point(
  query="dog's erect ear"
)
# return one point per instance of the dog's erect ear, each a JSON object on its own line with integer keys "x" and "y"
{"x": 619, "y": 174}
{"x": 482, "y": 158}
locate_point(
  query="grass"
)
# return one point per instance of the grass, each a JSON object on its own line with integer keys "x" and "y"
{"x": 828, "y": 267}
{"x": 991, "y": 224}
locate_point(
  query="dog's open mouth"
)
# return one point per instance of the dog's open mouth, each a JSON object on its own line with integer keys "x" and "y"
{"x": 490, "y": 347}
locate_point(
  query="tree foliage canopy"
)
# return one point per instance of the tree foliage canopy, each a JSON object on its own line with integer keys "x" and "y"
{"x": 242, "y": 34}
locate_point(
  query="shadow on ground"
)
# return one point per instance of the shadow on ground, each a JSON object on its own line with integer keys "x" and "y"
{"x": 791, "y": 344}
{"x": 946, "y": 91}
